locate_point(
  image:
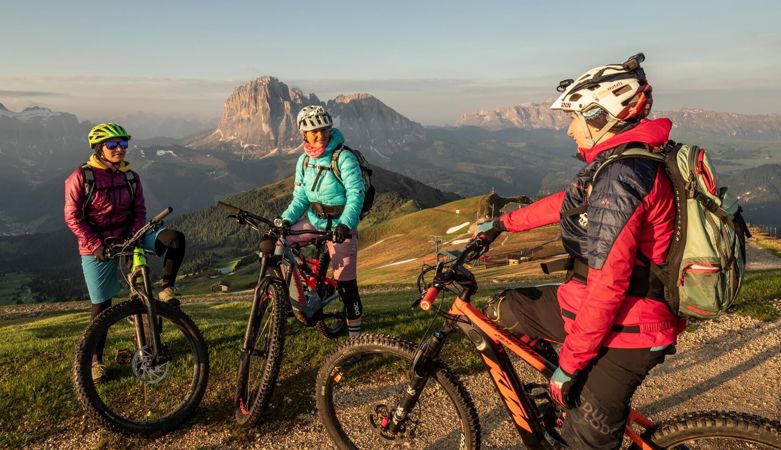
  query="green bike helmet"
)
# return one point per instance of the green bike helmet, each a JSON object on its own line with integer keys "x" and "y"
{"x": 105, "y": 131}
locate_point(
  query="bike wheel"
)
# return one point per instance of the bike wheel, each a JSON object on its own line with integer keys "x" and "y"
{"x": 718, "y": 430}
{"x": 333, "y": 320}
{"x": 138, "y": 395}
{"x": 259, "y": 365}
{"x": 360, "y": 384}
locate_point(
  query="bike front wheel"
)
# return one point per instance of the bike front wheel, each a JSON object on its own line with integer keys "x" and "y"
{"x": 718, "y": 430}
{"x": 360, "y": 384}
{"x": 259, "y": 363}
{"x": 141, "y": 393}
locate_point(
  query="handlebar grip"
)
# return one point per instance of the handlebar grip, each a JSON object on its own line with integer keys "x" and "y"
{"x": 162, "y": 214}
{"x": 428, "y": 298}
{"x": 231, "y": 208}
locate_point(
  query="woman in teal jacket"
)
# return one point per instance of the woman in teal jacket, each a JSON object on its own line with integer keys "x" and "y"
{"x": 319, "y": 197}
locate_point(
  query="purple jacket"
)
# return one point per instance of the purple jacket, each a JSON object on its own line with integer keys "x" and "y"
{"x": 110, "y": 212}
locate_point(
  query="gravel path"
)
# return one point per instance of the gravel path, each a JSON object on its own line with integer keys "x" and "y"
{"x": 729, "y": 363}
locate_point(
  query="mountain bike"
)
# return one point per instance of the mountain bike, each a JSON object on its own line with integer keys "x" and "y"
{"x": 376, "y": 391}
{"x": 156, "y": 358}
{"x": 287, "y": 281}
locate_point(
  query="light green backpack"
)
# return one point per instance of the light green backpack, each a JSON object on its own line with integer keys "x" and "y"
{"x": 706, "y": 261}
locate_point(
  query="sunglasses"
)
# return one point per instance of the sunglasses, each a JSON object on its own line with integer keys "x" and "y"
{"x": 112, "y": 145}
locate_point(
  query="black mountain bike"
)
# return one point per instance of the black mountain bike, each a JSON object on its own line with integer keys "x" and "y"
{"x": 377, "y": 391}
{"x": 287, "y": 282}
{"x": 156, "y": 358}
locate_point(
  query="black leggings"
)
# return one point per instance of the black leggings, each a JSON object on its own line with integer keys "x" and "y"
{"x": 173, "y": 244}
{"x": 348, "y": 290}
{"x": 95, "y": 311}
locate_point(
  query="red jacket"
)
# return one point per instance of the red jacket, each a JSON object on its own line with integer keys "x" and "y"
{"x": 620, "y": 222}
{"x": 109, "y": 213}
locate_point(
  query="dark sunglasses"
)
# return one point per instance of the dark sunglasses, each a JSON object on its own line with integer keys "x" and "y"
{"x": 112, "y": 145}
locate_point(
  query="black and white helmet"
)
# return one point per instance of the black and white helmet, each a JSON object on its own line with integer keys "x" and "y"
{"x": 312, "y": 118}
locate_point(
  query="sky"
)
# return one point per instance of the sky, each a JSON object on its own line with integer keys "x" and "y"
{"x": 429, "y": 60}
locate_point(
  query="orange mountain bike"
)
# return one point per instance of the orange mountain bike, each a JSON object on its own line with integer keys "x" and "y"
{"x": 376, "y": 391}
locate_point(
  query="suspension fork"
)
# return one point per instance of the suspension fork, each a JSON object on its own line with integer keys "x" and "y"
{"x": 140, "y": 275}
{"x": 260, "y": 288}
{"x": 422, "y": 368}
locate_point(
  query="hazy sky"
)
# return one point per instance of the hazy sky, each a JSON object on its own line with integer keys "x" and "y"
{"x": 431, "y": 61}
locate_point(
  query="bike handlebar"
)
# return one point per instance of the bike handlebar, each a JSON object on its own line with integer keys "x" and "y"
{"x": 162, "y": 214}
{"x": 428, "y": 298}
{"x": 119, "y": 248}
{"x": 455, "y": 273}
{"x": 242, "y": 216}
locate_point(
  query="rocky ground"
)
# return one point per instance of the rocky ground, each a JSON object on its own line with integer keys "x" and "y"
{"x": 729, "y": 363}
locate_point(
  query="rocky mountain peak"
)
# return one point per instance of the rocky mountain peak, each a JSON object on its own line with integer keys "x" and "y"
{"x": 526, "y": 115}
{"x": 259, "y": 119}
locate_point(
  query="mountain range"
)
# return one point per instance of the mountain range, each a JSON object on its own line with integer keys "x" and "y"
{"x": 515, "y": 151}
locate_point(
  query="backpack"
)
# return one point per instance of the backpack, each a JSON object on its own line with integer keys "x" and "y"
{"x": 89, "y": 187}
{"x": 706, "y": 261}
{"x": 366, "y": 174}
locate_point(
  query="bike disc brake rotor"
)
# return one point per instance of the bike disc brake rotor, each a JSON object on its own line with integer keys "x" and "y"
{"x": 145, "y": 370}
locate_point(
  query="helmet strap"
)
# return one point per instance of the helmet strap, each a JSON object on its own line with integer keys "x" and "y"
{"x": 593, "y": 138}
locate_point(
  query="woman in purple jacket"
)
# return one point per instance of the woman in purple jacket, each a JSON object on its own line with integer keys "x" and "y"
{"x": 104, "y": 199}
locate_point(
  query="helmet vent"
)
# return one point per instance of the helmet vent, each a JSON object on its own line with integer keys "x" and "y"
{"x": 621, "y": 90}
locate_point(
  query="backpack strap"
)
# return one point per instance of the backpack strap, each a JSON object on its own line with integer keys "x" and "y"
{"x": 89, "y": 187}
{"x": 303, "y": 165}
{"x": 335, "y": 162}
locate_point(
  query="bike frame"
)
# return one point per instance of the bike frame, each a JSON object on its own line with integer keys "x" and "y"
{"x": 491, "y": 341}
{"x": 286, "y": 258}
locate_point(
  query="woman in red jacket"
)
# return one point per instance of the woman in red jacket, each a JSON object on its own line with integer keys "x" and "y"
{"x": 113, "y": 207}
{"x": 609, "y": 315}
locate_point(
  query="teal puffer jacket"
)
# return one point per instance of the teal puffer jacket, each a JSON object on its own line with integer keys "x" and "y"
{"x": 329, "y": 191}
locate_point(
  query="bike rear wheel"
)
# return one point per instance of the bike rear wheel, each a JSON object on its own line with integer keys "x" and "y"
{"x": 259, "y": 365}
{"x": 718, "y": 430}
{"x": 360, "y": 384}
{"x": 140, "y": 395}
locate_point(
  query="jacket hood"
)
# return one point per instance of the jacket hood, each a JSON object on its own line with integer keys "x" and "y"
{"x": 95, "y": 162}
{"x": 655, "y": 133}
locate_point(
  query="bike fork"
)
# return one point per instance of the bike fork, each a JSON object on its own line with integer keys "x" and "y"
{"x": 151, "y": 308}
{"x": 249, "y": 333}
{"x": 419, "y": 374}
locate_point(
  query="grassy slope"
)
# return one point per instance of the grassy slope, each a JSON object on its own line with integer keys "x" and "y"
{"x": 411, "y": 236}
{"x": 36, "y": 354}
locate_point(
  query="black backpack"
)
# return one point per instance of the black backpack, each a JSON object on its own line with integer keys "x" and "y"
{"x": 366, "y": 174}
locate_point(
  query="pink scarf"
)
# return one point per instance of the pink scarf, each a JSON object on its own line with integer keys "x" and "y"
{"x": 313, "y": 152}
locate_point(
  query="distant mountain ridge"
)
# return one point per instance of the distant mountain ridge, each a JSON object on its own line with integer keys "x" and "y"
{"x": 259, "y": 120}
{"x": 687, "y": 120}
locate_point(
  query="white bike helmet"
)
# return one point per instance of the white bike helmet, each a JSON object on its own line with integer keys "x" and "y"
{"x": 620, "y": 90}
{"x": 312, "y": 118}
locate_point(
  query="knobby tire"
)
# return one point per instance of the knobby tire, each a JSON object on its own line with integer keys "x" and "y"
{"x": 717, "y": 430}
{"x": 187, "y": 347}
{"x": 259, "y": 368}
{"x": 444, "y": 416}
